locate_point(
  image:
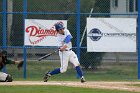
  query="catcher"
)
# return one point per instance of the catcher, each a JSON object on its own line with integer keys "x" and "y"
{"x": 4, "y": 77}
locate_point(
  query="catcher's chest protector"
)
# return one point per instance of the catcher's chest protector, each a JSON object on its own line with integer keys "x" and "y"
{"x": 1, "y": 62}
{"x": 0, "y": 58}
{"x": 3, "y": 76}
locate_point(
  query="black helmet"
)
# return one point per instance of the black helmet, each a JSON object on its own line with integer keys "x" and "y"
{"x": 4, "y": 52}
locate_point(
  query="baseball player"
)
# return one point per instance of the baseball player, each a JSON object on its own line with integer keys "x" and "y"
{"x": 65, "y": 53}
{"x": 3, "y": 61}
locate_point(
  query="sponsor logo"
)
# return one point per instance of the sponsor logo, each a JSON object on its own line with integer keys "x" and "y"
{"x": 37, "y": 34}
{"x": 95, "y": 35}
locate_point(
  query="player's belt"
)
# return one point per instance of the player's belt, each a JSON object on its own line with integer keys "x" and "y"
{"x": 67, "y": 49}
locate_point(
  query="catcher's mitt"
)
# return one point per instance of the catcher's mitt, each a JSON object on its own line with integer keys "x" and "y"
{"x": 20, "y": 64}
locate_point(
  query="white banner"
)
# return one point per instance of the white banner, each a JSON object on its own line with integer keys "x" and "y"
{"x": 41, "y": 32}
{"x": 111, "y": 34}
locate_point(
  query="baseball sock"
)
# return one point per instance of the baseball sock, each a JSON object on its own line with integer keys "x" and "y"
{"x": 55, "y": 71}
{"x": 79, "y": 71}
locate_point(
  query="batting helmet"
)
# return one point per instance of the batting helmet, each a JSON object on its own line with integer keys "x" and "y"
{"x": 59, "y": 26}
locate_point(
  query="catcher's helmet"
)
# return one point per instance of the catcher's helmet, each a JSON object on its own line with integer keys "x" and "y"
{"x": 59, "y": 26}
{"x": 4, "y": 52}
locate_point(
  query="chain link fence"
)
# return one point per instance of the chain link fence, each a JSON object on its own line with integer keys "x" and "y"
{"x": 96, "y": 66}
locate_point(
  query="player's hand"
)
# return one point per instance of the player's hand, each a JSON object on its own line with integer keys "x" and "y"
{"x": 19, "y": 64}
{"x": 61, "y": 49}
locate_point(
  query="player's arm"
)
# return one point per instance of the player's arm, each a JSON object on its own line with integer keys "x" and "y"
{"x": 66, "y": 41}
{"x": 18, "y": 63}
{"x": 5, "y": 60}
{"x": 12, "y": 62}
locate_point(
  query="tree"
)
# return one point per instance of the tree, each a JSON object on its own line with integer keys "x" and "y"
{"x": 91, "y": 60}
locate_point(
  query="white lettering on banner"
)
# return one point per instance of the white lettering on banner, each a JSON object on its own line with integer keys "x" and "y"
{"x": 94, "y": 34}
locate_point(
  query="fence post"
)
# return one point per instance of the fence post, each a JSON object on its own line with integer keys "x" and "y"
{"x": 4, "y": 28}
{"x": 4, "y": 23}
{"x": 138, "y": 40}
{"x": 24, "y": 17}
{"x": 78, "y": 29}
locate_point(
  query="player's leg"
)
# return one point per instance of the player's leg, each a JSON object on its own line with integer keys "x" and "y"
{"x": 5, "y": 77}
{"x": 62, "y": 69}
{"x": 75, "y": 62}
{"x": 64, "y": 64}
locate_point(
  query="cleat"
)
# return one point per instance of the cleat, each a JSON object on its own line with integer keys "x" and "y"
{"x": 46, "y": 77}
{"x": 83, "y": 80}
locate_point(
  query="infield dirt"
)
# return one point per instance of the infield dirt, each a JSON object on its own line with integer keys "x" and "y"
{"x": 127, "y": 86}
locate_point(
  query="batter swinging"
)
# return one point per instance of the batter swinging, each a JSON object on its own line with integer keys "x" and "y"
{"x": 65, "y": 53}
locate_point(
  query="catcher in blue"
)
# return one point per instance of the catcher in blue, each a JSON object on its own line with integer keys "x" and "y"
{"x": 65, "y": 53}
{"x": 4, "y": 77}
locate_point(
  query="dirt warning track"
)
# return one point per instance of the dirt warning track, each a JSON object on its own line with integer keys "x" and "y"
{"x": 127, "y": 86}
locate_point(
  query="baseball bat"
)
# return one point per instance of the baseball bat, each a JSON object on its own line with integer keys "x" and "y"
{"x": 47, "y": 55}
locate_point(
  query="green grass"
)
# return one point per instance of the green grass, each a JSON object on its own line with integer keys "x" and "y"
{"x": 115, "y": 72}
{"x": 138, "y": 85}
{"x": 54, "y": 89}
